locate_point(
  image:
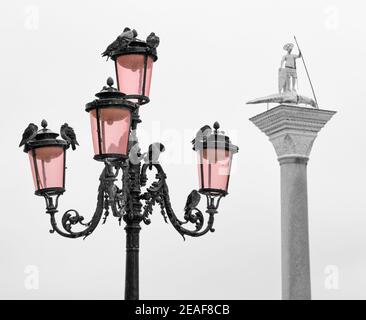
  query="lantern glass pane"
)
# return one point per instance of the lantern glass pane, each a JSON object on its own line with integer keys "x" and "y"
{"x": 130, "y": 74}
{"x": 214, "y": 168}
{"x": 47, "y": 164}
{"x": 114, "y": 124}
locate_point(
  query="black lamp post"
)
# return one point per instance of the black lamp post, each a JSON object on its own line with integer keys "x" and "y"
{"x": 114, "y": 116}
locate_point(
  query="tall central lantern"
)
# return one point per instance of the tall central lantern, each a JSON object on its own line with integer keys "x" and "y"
{"x": 110, "y": 120}
{"x": 134, "y": 61}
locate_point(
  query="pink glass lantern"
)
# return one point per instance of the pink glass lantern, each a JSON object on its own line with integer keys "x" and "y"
{"x": 47, "y": 157}
{"x": 134, "y": 74}
{"x": 47, "y": 167}
{"x": 110, "y": 120}
{"x": 134, "y": 61}
{"x": 215, "y": 152}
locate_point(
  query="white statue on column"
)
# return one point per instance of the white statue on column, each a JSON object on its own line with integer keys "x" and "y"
{"x": 287, "y": 82}
{"x": 287, "y": 76}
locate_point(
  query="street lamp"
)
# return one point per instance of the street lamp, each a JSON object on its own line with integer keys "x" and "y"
{"x": 47, "y": 156}
{"x": 114, "y": 116}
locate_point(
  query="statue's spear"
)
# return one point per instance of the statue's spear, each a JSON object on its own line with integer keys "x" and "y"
{"x": 307, "y": 72}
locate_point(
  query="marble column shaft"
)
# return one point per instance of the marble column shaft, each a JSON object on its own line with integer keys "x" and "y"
{"x": 292, "y": 131}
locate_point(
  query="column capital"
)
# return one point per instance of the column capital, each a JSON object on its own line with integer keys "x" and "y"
{"x": 292, "y": 129}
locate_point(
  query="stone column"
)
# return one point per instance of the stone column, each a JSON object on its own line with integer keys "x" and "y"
{"x": 292, "y": 131}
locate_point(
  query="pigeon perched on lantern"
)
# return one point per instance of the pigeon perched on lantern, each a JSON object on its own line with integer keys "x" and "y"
{"x": 68, "y": 134}
{"x": 123, "y": 40}
{"x": 152, "y": 40}
{"x": 29, "y": 133}
{"x": 202, "y": 134}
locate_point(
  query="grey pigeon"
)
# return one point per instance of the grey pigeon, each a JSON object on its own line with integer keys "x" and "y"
{"x": 29, "y": 133}
{"x": 202, "y": 133}
{"x": 153, "y": 153}
{"x": 122, "y": 41}
{"x": 192, "y": 201}
{"x": 68, "y": 134}
{"x": 152, "y": 40}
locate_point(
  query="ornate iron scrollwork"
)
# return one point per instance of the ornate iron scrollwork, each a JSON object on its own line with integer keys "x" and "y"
{"x": 125, "y": 202}
{"x": 158, "y": 193}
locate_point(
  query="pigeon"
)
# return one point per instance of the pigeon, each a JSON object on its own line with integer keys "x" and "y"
{"x": 29, "y": 133}
{"x": 192, "y": 200}
{"x": 202, "y": 133}
{"x": 68, "y": 134}
{"x": 122, "y": 41}
{"x": 152, "y": 40}
{"x": 153, "y": 153}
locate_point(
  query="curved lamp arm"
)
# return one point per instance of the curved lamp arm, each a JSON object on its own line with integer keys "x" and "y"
{"x": 72, "y": 217}
{"x": 158, "y": 193}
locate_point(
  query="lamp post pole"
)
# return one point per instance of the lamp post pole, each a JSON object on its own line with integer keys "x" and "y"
{"x": 292, "y": 131}
{"x": 133, "y": 216}
{"x": 132, "y": 260}
{"x": 133, "y": 220}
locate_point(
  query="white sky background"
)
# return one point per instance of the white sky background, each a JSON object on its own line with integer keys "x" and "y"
{"x": 213, "y": 57}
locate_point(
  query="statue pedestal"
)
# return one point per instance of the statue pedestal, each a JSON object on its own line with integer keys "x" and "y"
{"x": 292, "y": 131}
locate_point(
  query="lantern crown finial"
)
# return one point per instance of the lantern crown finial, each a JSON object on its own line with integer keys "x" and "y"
{"x": 216, "y": 126}
{"x": 109, "y": 87}
{"x": 109, "y": 92}
{"x": 110, "y": 81}
{"x": 44, "y": 124}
